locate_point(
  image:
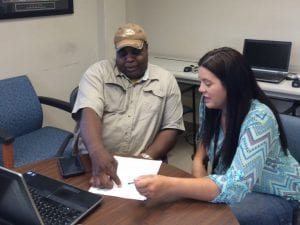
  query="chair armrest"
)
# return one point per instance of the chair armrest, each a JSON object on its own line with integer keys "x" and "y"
{"x": 6, "y": 137}
{"x": 57, "y": 103}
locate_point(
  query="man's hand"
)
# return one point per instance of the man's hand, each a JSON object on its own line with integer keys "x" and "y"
{"x": 104, "y": 166}
{"x": 104, "y": 170}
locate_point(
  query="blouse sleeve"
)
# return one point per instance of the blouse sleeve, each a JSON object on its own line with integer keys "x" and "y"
{"x": 258, "y": 131}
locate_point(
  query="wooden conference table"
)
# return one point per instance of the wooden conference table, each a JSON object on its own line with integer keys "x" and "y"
{"x": 118, "y": 211}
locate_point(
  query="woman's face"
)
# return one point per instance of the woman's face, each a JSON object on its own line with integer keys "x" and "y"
{"x": 213, "y": 91}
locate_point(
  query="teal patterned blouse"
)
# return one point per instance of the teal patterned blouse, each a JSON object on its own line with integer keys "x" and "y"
{"x": 259, "y": 164}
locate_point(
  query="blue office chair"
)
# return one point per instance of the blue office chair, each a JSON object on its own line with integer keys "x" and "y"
{"x": 22, "y": 138}
{"x": 291, "y": 125}
{"x": 293, "y": 108}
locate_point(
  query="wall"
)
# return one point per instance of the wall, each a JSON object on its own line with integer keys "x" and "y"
{"x": 54, "y": 51}
{"x": 190, "y": 28}
{"x": 114, "y": 15}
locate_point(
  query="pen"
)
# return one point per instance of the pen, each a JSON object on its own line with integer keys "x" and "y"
{"x": 131, "y": 182}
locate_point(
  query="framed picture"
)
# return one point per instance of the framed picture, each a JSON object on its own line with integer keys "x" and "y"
{"x": 29, "y": 8}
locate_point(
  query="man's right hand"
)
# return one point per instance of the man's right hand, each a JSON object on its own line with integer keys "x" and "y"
{"x": 104, "y": 170}
{"x": 104, "y": 166}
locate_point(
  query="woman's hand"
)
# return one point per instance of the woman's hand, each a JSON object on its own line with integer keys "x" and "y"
{"x": 153, "y": 186}
{"x": 199, "y": 168}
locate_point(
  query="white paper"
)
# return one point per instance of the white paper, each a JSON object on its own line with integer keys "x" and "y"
{"x": 129, "y": 169}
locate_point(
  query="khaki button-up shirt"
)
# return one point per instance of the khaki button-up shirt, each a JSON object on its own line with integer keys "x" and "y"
{"x": 132, "y": 114}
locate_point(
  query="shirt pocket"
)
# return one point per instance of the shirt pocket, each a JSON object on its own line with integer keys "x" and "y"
{"x": 115, "y": 98}
{"x": 153, "y": 100}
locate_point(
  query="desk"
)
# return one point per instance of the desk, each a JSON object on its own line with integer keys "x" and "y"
{"x": 283, "y": 90}
{"x": 118, "y": 211}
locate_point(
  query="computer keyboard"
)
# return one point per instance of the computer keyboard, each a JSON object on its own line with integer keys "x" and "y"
{"x": 52, "y": 212}
{"x": 269, "y": 77}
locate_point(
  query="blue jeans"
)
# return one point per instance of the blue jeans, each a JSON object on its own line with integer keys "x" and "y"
{"x": 264, "y": 209}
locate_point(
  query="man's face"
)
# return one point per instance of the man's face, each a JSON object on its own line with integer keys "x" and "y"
{"x": 132, "y": 62}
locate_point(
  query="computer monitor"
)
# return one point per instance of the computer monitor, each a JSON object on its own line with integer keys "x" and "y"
{"x": 267, "y": 54}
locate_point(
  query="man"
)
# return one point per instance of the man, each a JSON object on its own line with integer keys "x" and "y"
{"x": 127, "y": 107}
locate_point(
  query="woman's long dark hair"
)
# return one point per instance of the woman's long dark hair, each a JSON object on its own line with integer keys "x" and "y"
{"x": 238, "y": 79}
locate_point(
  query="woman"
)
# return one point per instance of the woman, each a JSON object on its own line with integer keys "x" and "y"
{"x": 242, "y": 138}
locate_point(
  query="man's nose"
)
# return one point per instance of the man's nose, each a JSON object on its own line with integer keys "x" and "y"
{"x": 129, "y": 57}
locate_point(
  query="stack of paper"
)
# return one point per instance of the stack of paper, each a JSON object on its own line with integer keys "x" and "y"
{"x": 128, "y": 170}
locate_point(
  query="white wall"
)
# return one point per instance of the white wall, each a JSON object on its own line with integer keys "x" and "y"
{"x": 114, "y": 15}
{"x": 54, "y": 51}
{"x": 190, "y": 28}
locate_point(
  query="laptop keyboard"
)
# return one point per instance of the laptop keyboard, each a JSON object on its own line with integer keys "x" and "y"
{"x": 269, "y": 77}
{"x": 52, "y": 212}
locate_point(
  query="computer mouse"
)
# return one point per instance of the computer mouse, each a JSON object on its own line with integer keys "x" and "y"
{"x": 296, "y": 83}
{"x": 187, "y": 69}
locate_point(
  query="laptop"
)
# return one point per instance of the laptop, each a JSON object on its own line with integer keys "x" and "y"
{"x": 34, "y": 199}
{"x": 269, "y": 60}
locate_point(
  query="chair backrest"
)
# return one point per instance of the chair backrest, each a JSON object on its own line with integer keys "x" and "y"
{"x": 291, "y": 125}
{"x": 72, "y": 100}
{"x": 73, "y": 96}
{"x": 20, "y": 108}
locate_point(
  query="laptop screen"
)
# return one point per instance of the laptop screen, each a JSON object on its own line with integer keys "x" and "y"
{"x": 268, "y": 55}
{"x": 18, "y": 205}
